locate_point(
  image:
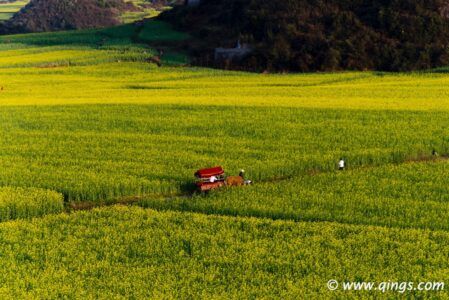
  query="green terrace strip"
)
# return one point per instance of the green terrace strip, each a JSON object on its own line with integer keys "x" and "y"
{"x": 143, "y": 12}
{"x": 22, "y": 203}
{"x": 125, "y": 43}
{"x": 160, "y": 32}
{"x": 122, "y": 252}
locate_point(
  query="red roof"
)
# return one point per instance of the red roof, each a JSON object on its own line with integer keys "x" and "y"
{"x": 205, "y": 173}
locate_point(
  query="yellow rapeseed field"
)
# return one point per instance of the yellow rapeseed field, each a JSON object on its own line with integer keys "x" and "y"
{"x": 87, "y": 119}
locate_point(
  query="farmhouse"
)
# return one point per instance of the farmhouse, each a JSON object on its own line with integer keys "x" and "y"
{"x": 239, "y": 52}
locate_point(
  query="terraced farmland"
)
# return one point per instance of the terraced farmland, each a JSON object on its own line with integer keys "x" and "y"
{"x": 86, "y": 115}
{"x": 7, "y": 10}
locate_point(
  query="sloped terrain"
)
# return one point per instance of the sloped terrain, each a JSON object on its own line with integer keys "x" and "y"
{"x": 54, "y": 15}
{"x": 9, "y": 8}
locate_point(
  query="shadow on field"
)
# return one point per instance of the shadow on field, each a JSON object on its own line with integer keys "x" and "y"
{"x": 187, "y": 188}
{"x": 147, "y": 87}
{"x": 152, "y": 33}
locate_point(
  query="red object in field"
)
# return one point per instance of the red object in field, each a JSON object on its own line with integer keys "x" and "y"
{"x": 204, "y": 175}
{"x": 207, "y": 186}
{"x": 207, "y": 173}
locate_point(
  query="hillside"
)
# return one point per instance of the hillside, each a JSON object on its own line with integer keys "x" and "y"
{"x": 307, "y": 35}
{"x": 54, "y": 15}
{"x": 57, "y": 15}
{"x": 9, "y": 7}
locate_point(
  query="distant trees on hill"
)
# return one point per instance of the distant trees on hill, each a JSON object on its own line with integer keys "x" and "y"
{"x": 322, "y": 35}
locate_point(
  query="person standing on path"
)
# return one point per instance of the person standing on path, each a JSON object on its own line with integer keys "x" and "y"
{"x": 341, "y": 164}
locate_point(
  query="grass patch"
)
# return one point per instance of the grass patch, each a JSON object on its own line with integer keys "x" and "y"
{"x": 157, "y": 31}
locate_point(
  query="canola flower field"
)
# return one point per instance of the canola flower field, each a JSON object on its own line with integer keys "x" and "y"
{"x": 122, "y": 252}
{"x": 24, "y": 203}
{"x": 85, "y": 117}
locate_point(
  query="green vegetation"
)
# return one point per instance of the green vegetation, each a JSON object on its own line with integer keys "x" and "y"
{"x": 144, "y": 11}
{"x": 58, "y": 15}
{"x": 413, "y": 195}
{"x": 20, "y": 203}
{"x": 87, "y": 115}
{"x": 7, "y": 10}
{"x": 98, "y": 152}
{"x": 160, "y": 32}
{"x": 167, "y": 122}
{"x": 130, "y": 17}
{"x": 87, "y": 47}
{"x": 135, "y": 253}
{"x": 305, "y": 36}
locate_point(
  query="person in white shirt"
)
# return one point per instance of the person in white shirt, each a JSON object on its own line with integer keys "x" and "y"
{"x": 341, "y": 164}
{"x": 212, "y": 179}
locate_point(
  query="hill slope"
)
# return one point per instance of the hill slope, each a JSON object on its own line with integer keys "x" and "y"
{"x": 53, "y": 15}
{"x": 9, "y": 7}
{"x": 305, "y": 35}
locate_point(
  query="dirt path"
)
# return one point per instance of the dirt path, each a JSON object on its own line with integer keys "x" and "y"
{"x": 133, "y": 200}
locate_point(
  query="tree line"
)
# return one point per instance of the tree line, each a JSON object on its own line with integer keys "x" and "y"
{"x": 321, "y": 35}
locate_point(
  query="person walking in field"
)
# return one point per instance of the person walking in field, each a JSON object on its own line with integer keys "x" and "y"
{"x": 341, "y": 164}
{"x": 245, "y": 181}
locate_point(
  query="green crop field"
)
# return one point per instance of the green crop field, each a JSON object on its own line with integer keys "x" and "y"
{"x": 7, "y": 10}
{"x": 86, "y": 118}
{"x": 142, "y": 12}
